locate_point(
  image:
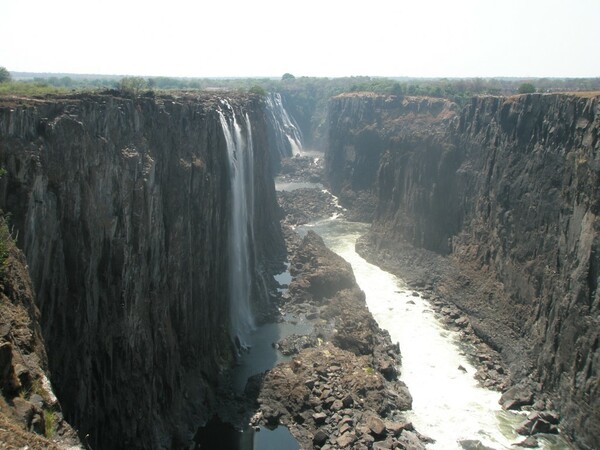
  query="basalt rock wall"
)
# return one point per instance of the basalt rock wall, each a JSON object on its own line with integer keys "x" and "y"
{"x": 510, "y": 186}
{"x": 122, "y": 208}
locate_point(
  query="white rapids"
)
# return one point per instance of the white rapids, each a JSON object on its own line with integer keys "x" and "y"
{"x": 448, "y": 404}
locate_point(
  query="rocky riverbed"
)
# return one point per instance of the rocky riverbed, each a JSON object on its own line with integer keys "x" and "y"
{"x": 454, "y": 292}
{"x": 341, "y": 388}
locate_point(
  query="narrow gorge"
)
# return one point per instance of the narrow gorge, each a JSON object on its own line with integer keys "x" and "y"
{"x": 507, "y": 190}
{"x": 152, "y": 232}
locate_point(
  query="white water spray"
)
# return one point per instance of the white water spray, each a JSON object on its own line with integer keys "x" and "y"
{"x": 288, "y": 138}
{"x": 241, "y": 232}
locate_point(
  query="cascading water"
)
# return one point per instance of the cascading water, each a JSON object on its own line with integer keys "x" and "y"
{"x": 241, "y": 233}
{"x": 284, "y": 133}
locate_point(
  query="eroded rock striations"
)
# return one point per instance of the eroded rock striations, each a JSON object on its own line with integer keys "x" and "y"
{"x": 510, "y": 189}
{"x": 121, "y": 207}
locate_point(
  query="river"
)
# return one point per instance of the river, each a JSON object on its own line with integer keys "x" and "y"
{"x": 448, "y": 404}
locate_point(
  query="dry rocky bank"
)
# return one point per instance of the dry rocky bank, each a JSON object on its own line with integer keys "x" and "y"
{"x": 30, "y": 414}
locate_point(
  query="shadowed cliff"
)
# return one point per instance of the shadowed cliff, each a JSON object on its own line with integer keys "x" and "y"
{"x": 508, "y": 187}
{"x": 122, "y": 208}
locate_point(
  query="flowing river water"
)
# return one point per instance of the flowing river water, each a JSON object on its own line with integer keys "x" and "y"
{"x": 448, "y": 404}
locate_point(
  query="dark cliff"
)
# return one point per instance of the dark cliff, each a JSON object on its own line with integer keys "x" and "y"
{"x": 30, "y": 414}
{"x": 510, "y": 186}
{"x": 121, "y": 206}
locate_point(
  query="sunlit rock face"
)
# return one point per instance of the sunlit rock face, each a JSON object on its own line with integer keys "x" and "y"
{"x": 510, "y": 186}
{"x": 123, "y": 207}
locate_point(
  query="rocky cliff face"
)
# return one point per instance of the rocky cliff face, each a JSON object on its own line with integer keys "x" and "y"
{"x": 30, "y": 414}
{"x": 509, "y": 186}
{"x": 122, "y": 211}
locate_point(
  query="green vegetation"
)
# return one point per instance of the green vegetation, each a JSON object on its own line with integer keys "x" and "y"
{"x": 258, "y": 90}
{"x": 133, "y": 85}
{"x": 49, "y": 422}
{"x": 29, "y": 89}
{"x": 4, "y": 75}
{"x": 526, "y": 88}
{"x": 312, "y": 89}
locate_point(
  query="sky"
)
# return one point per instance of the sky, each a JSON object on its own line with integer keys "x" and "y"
{"x": 329, "y": 38}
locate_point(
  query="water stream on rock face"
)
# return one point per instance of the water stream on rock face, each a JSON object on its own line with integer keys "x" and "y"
{"x": 448, "y": 404}
{"x": 287, "y": 136}
{"x": 241, "y": 234}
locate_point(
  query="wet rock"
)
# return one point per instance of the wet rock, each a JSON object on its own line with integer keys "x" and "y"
{"x": 529, "y": 442}
{"x": 411, "y": 440}
{"x": 472, "y": 444}
{"x": 539, "y": 422}
{"x": 395, "y": 428}
{"x": 516, "y": 397}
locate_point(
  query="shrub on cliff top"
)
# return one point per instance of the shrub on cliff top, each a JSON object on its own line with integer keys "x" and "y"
{"x": 526, "y": 88}
{"x": 4, "y": 75}
{"x": 132, "y": 85}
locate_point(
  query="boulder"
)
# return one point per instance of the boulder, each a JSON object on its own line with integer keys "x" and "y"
{"x": 376, "y": 425}
{"x": 346, "y": 439}
{"x": 319, "y": 418}
{"x": 529, "y": 442}
{"x": 516, "y": 397}
{"x": 9, "y": 382}
{"x": 536, "y": 423}
{"x": 24, "y": 410}
{"x": 410, "y": 439}
{"x": 320, "y": 437}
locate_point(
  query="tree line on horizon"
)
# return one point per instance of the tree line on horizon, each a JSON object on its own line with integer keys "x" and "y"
{"x": 457, "y": 89}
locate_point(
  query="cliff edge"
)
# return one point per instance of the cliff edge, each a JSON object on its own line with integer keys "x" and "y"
{"x": 122, "y": 208}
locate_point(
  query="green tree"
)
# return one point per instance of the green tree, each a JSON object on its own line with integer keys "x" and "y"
{"x": 132, "y": 85}
{"x": 287, "y": 76}
{"x": 526, "y": 88}
{"x": 4, "y": 75}
{"x": 258, "y": 90}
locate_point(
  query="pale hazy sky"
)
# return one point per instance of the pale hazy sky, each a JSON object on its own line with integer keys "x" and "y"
{"x": 441, "y": 38}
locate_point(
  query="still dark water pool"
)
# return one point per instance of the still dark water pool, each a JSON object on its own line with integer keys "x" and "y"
{"x": 222, "y": 436}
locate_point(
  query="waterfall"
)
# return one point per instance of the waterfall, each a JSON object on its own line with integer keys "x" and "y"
{"x": 284, "y": 133}
{"x": 240, "y": 152}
